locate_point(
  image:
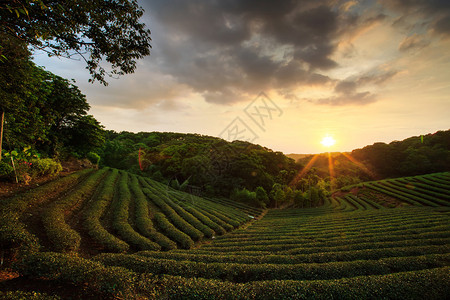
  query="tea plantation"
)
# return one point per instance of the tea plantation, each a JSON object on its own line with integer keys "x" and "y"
{"x": 109, "y": 234}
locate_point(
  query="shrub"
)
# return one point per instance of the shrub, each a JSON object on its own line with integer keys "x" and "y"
{"x": 14, "y": 238}
{"x": 45, "y": 166}
{"x": 172, "y": 215}
{"x": 240, "y": 272}
{"x": 172, "y": 232}
{"x": 21, "y": 295}
{"x": 94, "y": 276}
{"x": 120, "y": 223}
{"x": 63, "y": 237}
{"x": 244, "y": 196}
{"x": 93, "y": 158}
{"x": 95, "y": 210}
{"x": 6, "y": 170}
{"x": 215, "y": 219}
{"x": 13, "y": 235}
{"x": 143, "y": 221}
{"x": 214, "y": 226}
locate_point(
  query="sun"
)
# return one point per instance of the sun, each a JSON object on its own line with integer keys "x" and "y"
{"x": 328, "y": 141}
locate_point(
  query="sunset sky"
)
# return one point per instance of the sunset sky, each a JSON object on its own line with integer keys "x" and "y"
{"x": 283, "y": 74}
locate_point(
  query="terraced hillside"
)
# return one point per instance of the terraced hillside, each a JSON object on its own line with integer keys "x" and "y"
{"x": 356, "y": 246}
{"x": 431, "y": 190}
{"x": 112, "y": 211}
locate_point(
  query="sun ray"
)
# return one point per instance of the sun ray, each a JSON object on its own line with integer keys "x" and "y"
{"x": 303, "y": 171}
{"x": 372, "y": 174}
{"x": 331, "y": 171}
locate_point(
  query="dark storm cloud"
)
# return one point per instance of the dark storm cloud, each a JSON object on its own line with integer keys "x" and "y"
{"x": 346, "y": 91}
{"x": 224, "y": 49}
{"x": 434, "y": 13}
{"x": 443, "y": 25}
{"x": 228, "y": 50}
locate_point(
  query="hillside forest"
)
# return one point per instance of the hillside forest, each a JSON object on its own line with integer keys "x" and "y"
{"x": 47, "y": 123}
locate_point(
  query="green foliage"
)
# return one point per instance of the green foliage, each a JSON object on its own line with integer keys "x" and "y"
{"x": 62, "y": 29}
{"x": 51, "y": 116}
{"x": 411, "y": 156}
{"x": 45, "y": 166}
{"x": 95, "y": 209}
{"x": 299, "y": 198}
{"x": 93, "y": 158}
{"x": 326, "y": 252}
{"x": 261, "y": 196}
{"x": 63, "y": 237}
{"x": 244, "y": 196}
{"x": 143, "y": 221}
{"x": 15, "y": 54}
{"x": 428, "y": 190}
{"x": 13, "y": 234}
{"x": 6, "y": 170}
{"x": 84, "y": 135}
{"x": 21, "y": 295}
{"x": 14, "y": 237}
{"x": 241, "y": 272}
{"x": 277, "y": 194}
{"x": 120, "y": 207}
{"x": 78, "y": 271}
{"x": 172, "y": 215}
{"x": 219, "y": 230}
{"x": 121, "y": 282}
{"x": 28, "y": 164}
{"x": 211, "y": 164}
{"x": 172, "y": 232}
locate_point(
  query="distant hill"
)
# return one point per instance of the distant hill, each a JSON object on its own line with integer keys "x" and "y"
{"x": 416, "y": 155}
{"x": 213, "y": 164}
{"x": 296, "y": 157}
{"x": 429, "y": 153}
{"x": 301, "y": 157}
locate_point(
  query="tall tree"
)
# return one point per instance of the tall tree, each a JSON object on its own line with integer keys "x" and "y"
{"x": 14, "y": 75}
{"x": 94, "y": 30}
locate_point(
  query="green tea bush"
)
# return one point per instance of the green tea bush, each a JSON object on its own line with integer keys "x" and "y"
{"x": 62, "y": 236}
{"x": 225, "y": 218}
{"x": 253, "y": 272}
{"x": 143, "y": 222}
{"x": 95, "y": 209}
{"x": 119, "y": 282}
{"x": 215, "y": 219}
{"x": 111, "y": 281}
{"x": 6, "y": 170}
{"x": 214, "y": 226}
{"x": 14, "y": 238}
{"x": 191, "y": 219}
{"x": 405, "y": 285}
{"x": 172, "y": 232}
{"x": 93, "y": 157}
{"x": 45, "y": 166}
{"x": 21, "y": 295}
{"x": 13, "y": 235}
{"x": 120, "y": 223}
{"x": 172, "y": 215}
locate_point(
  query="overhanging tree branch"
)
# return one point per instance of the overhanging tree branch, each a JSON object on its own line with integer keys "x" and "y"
{"x": 106, "y": 29}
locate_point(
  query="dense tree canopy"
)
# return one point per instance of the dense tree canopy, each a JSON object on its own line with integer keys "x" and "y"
{"x": 48, "y": 113}
{"x": 208, "y": 162}
{"x": 95, "y": 30}
{"x": 413, "y": 156}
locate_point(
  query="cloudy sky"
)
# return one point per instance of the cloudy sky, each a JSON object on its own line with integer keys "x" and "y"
{"x": 283, "y": 74}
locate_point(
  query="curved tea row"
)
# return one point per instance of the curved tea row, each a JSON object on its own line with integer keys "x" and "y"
{"x": 351, "y": 247}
